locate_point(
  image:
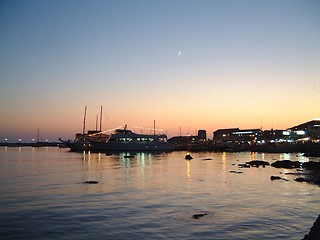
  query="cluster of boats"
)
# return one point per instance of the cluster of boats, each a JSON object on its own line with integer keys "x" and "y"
{"x": 122, "y": 139}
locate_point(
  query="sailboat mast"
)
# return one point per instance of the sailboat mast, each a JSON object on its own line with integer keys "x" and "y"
{"x": 154, "y": 127}
{"x": 84, "y": 120}
{"x": 101, "y": 119}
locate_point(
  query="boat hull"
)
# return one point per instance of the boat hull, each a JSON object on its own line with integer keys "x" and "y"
{"x": 145, "y": 147}
{"x": 77, "y": 146}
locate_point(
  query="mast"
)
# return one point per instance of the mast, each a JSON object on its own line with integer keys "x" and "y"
{"x": 101, "y": 119}
{"x": 84, "y": 120}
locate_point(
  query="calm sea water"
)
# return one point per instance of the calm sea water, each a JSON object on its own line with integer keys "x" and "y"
{"x": 150, "y": 196}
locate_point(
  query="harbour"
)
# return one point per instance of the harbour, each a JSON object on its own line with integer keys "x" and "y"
{"x": 151, "y": 195}
{"x": 160, "y": 120}
{"x": 302, "y": 138}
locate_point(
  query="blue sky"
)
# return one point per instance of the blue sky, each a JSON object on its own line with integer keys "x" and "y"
{"x": 243, "y": 64}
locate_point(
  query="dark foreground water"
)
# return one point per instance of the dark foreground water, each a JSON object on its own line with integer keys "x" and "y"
{"x": 150, "y": 196}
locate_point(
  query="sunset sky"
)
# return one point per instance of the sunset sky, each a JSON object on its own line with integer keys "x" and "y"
{"x": 190, "y": 64}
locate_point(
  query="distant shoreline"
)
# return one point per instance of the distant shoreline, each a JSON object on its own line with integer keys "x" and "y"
{"x": 33, "y": 144}
{"x": 306, "y": 149}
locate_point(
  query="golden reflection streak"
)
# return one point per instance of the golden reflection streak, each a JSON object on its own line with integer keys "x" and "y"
{"x": 188, "y": 169}
{"x": 252, "y": 156}
{"x": 86, "y": 158}
{"x": 224, "y": 161}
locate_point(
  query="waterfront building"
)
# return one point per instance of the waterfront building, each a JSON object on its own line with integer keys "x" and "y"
{"x": 271, "y": 136}
{"x": 234, "y": 139}
{"x": 189, "y": 142}
{"x": 202, "y": 135}
{"x": 306, "y": 131}
{"x": 235, "y": 135}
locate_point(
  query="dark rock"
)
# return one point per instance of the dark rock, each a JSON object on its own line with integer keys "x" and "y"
{"x": 300, "y": 179}
{"x": 241, "y": 165}
{"x": 207, "y": 159}
{"x": 311, "y": 165}
{"x": 275, "y": 178}
{"x": 232, "y": 171}
{"x": 286, "y": 164}
{"x": 257, "y": 163}
{"x": 188, "y": 157}
{"x": 310, "y": 176}
{"x": 314, "y": 231}
{"x": 278, "y": 178}
{"x": 91, "y": 182}
{"x": 199, "y": 215}
{"x": 290, "y": 173}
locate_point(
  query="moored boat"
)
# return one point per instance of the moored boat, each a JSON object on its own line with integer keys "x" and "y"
{"x": 82, "y": 141}
{"x": 127, "y": 140}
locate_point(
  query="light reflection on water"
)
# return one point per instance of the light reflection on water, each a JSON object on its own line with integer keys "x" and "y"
{"x": 145, "y": 196}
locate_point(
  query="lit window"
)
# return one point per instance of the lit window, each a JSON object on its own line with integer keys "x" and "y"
{"x": 286, "y": 133}
{"x": 300, "y": 132}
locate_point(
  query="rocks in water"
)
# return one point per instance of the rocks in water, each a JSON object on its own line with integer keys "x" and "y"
{"x": 290, "y": 173}
{"x": 275, "y": 178}
{"x": 314, "y": 231}
{"x": 286, "y": 164}
{"x": 311, "y": 172}
{"x": 188, "y": 157}
{"x": 300, "y": 179}
{"x": 257, "y": 163}
{"x": 311, "y": 165}
{"x": 91, "y": 182}
{"x": 199, "y": 215}
{"x": 313, "y": 178}
{"x": 244, "y": 165}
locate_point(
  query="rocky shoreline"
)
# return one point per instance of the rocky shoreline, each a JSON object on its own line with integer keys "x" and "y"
{"x": 307, "y": 172}
{"x": 314, "y": 231}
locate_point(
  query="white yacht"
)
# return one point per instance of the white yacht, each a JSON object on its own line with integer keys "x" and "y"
{"x": 126, "y": 140}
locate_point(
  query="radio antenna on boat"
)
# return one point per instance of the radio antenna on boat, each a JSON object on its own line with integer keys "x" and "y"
{"x": 84, "y": 120}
